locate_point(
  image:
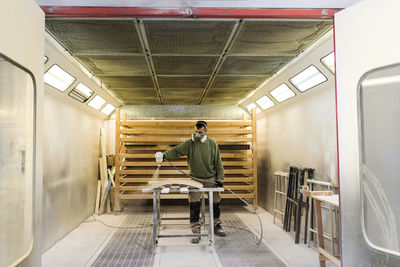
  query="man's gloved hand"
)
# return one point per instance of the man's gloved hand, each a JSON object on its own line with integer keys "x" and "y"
{"x": 219, "y": 184}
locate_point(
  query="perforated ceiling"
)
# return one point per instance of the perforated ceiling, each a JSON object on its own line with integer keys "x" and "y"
{"x": 186, "y": 61}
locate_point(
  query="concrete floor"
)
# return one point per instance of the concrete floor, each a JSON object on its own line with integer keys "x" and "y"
{"x": 83, "y": 245}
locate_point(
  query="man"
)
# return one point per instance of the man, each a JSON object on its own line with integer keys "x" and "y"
{"x": 205, "y": 163}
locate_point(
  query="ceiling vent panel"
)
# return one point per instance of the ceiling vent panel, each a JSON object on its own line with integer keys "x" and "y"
{"x": 183, "y": 82}
{"x": 94, "y": 36}
{"x": 128, "y": 81}
{"x": 250, "y": 82}
{"x": 116, "y": 65}
{"x": 182, "y": 54}
{"x": 187, "y": 65}
{"x": 286, "y": 38}
{"x": 253, "y": 65}
{"x": 187, "y": 36}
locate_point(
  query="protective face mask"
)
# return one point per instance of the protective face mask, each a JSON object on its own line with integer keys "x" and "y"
{"x": 199, "y": 137}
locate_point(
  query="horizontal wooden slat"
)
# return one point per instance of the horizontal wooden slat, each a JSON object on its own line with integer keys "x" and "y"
{"x": 153, "y": 163}
{"x": 240, "y": 187}
{"x": 169, "y": 131}
{"x": 145, "y": 180}
{"x": 226, "y": 171}
{"x": 149, "y": 147}
{"x": 237, "y": 179}
{"x": 169, "y": 124}
{"x": 180, "y": 163}
{"x": 131, "y": 187}
{"x": 150, "y": 196}
{"x": 245, "y": 196}
{"x": 173, "y": 140}
{"x": 148, "y": 156}
{"x": 178, "y": 196}
{"x": 140, "y": 187}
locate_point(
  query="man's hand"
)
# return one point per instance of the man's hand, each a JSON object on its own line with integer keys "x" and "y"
{"x": 219, "y": 184}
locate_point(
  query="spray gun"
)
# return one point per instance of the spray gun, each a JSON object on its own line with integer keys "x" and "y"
{"x": 159, "y": 158}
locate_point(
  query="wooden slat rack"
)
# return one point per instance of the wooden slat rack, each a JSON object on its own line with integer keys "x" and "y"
{"x": 137, "y": 140}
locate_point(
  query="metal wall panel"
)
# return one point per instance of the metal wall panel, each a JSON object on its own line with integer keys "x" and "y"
{"x": 71, "y": 166}
{"x": 370, "y": 47}
{"x": 380, "y": 158}
{"x": 17, "y": 158}
{"x": 26, "y": 47}
{"x": 300, "y": 131}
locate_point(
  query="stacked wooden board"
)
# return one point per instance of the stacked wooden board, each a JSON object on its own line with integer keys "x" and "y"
{"x": 137, "y": 140}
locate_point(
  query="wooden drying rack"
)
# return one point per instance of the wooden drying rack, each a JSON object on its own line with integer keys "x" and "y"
{"x": 137, "y": 140}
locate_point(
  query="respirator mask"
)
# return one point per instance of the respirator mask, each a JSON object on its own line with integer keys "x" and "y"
{"x": 199, "y": 137}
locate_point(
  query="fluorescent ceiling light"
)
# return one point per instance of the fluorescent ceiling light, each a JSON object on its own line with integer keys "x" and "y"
{"x": 265, "y": 102}
{"x": 308, "y": 78}
{"x": 282, "y": 92}
{"x": 58, "y": 78}
{"x": 97, "y": 102}
{"x": 250, "y": 107}
{"x": 81, "y": 93}
{"x": 84, "y": 90}
{"x": 329, "y": 62}
{"x": 108, "y": 109}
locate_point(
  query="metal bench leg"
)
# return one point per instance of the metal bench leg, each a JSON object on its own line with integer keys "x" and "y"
{"x": 155, "y": 220}
{"x": 332, "y": 231}
{"x": 203, "y": 210}
{"x": 211, "y": 227}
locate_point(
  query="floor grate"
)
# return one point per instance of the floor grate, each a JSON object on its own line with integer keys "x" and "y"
{"x": 129, "y": 246}
{"x": 133, "y": 246}
{"x": 238, "y": 248}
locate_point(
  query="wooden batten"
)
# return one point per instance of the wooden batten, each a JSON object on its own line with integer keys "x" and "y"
{"x": 169, "y": 140}
{"x": 117, "y": 206}
{"x": 151, "y": 156}
{"x": 185, "y": 132}
{"x": 179, "y": 163}
{"x": 138, "y": 139}
{"x": 187, "y": 123}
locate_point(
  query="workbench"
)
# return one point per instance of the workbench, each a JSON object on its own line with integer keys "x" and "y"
{"x": 157, "y": 216}
{"x": 324, "y": 254}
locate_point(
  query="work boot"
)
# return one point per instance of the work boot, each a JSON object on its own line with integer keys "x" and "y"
{"x": 195, "y": 224}
{"x": 219, "y": 231}
{"x": 195, "y": 240}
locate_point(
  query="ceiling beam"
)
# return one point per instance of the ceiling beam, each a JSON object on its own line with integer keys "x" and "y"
{"x": 105, "y": 54}
{"x": 259, "y": 13}
{"x": 203, "y": 75}
{"x": 146, "y": 51}
{"x": 232, "y": 38}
